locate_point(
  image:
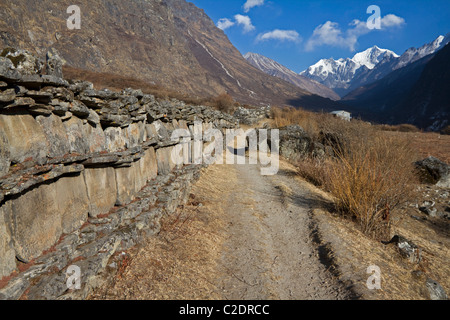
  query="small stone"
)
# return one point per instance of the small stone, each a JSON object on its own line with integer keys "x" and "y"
{"x": 435, "y": 290}
{"x": 7, "y": 96}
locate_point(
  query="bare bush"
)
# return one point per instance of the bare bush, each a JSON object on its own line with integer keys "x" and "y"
{"x": 370, "y": 177}
{"x": 224, "y": 102}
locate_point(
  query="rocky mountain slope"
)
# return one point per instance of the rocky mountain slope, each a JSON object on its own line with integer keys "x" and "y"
{"x": 171, "y": 43}
{"x": 275, "y": 69}
{"x": 417, "y": 94}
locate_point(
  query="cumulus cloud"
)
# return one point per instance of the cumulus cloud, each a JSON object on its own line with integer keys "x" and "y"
{"x": 391, "y": 20}
{"x": 225, "y": 23}
{"x": 281, "y": 35}
{"x": 245, "y": 22}
{"x": 328, "y": 33}
{"x": 331, "y": 34}
{"x": 251, "y": 4}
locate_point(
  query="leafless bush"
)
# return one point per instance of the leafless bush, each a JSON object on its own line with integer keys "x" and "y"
{"x": 371, "y": 176}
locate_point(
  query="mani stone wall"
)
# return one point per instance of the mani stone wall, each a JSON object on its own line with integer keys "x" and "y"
{"x": 84, "y": 173}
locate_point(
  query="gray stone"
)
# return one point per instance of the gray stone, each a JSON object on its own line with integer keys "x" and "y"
{"x": 101, "y": 189}
{"x": 4, "y": 153}
{"x": 23, "y": 61}
{"x": 435, "y": 290}
{"x": 56, "y": 135}
{"x": 407, "y": 248}
{"x": 79, "y": 109}
{"x": 434, "y": 171}
{"x": 54, "y": 63}
{"x": 77, "y": 141}
{"x": 8, "y": 71}
{"x": 26, "y": 138}
{"x": 7, "y": 96}
{"x": 8, "y": 260}
{"x": 72, "y": 202}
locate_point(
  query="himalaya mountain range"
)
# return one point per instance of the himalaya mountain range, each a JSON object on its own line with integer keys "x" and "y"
{"x": 380, "y": 85}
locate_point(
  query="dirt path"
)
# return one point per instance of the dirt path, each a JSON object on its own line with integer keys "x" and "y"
{"x": 250, "y": 239}
{"x": 269, "y": 252}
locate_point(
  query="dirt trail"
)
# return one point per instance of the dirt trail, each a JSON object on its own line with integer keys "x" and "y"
{"x": 269, "y": 252}
{"x": 251, "y": 238}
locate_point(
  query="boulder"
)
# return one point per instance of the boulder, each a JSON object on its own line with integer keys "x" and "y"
{"x": 24, "y": 62}
{"x": 7, "y": 70}
{"x": 407, "y": 248}
{"x": 434, "y": 171}
{"x": 54, "y": 63}
{"x": 252, "y": 116}
{"x": 294, "y": 142}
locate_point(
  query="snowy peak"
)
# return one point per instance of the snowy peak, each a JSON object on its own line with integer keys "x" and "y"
{"x": 345, "y": 75}
{"x": 372, "y": 56}
{"x": 413, "y": 54}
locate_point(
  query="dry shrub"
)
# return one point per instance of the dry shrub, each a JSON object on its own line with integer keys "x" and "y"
{"x": 371, "y": 181}
{"x": 370, "y": 177}
{"x": 289, "y": 116}
{"x": 399, "y": 128}
{"x": 314, "y": 170}
{"x": 224, "y": 102}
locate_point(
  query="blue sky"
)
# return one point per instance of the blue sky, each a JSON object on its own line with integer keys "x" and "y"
{"x": 298, "y": 33}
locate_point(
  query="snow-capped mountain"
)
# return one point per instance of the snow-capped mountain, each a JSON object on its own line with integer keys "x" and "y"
{"x": 373, "y": 56}
{"x": 275, "y": 69}
{"x": 339, "y": 74}
{"x": 346, "y": 75}
{"x": 413, "y": 54}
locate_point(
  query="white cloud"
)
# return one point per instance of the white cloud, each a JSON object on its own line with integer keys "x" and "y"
{"x": 391, "y": 20}
{"x": 224, "y": 23}
{"x": 281, "y": 35}
{"x": 331, "y": 34}
{"x": 251, "y": 4}
{"x": 328, "y": 33}
{"x": 245, "y": 22}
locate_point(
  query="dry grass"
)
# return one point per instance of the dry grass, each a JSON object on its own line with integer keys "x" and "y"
{"x": 426, "y": 144}
{"x": 286, "y": 116}
{"x": 181, "y": 262}
{"x": 398, "y": 128}
{"x": 400, "y": 279}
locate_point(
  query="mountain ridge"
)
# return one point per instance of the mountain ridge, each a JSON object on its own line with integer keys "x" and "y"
{"x": 276, "y": 69}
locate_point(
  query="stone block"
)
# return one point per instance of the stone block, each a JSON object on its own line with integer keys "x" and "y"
{"x": 7, "y": 253}
{"x": 25, "y": 136}
{"x": 101, "y": 189}
{"x": 72, "y": 202}
{"x": 55, "y": 134}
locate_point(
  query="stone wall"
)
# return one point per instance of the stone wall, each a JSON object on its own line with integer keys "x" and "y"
{"x": 84, "y": 173}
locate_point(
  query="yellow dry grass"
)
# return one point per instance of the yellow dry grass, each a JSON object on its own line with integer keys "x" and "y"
{"x": 181, "y": 262}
